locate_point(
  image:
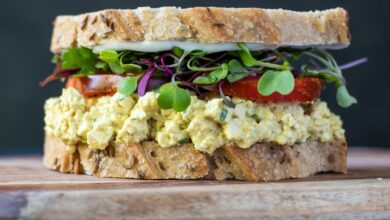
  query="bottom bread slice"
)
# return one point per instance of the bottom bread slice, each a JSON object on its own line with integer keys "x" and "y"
{"x": 147, "y": 160}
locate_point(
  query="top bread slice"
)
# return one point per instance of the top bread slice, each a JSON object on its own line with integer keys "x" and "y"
{"x": 268, "y": 27}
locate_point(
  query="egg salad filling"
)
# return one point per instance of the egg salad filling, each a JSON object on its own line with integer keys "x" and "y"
{"x": 208, "y": 124}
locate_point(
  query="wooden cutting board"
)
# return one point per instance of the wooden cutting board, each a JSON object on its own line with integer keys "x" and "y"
{"x": 28, "y": 190}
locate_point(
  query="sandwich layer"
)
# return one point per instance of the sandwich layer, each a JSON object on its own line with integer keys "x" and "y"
{"x": 210, "y": 27}
{"x": 147, "y": 160}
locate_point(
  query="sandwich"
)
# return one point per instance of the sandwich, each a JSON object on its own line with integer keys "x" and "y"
{"x": 197, "y": 93}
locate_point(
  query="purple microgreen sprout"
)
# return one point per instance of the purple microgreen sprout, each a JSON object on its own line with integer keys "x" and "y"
{"x": 143, "y": 82}
{"x": 353, "y": 63}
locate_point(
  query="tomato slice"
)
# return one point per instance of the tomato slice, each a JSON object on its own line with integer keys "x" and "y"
{"x": 306, "y": 90}
{"x": 95, "y": 85}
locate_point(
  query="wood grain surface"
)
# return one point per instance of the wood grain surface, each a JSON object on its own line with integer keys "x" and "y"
{"x": 29, "y": 191}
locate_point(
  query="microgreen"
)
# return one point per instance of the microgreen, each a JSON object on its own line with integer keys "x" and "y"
{"x": 276, "y": 81}
{"x": 177, "y": 51}
{"x": 202, "y": 72}
{"x": 197, "y": 53}
{"x": 102, "y": 65}
{"x": 192, "y": 67}
{"x": 344, "y": 99}
{"x": 236, "y": 71}
{"x": 173, "y": 97}
{"x": 116, "y": 64}
{"x": 129, "y": 67}
{"x": 214, "y": 76}
{"x": 143, "y": 83}
{"x": 250, "y": 61}
{"x": 111, "y": 57}
{"x": 128, "y": 85}
{"x": 80, "y": 58}
{"x": 331, "y": 73}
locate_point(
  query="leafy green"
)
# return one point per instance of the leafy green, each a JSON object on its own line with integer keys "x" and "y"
{"x": 250, "y": 61}
{"x": 129, "y": 67}
{"x": 173, "y": 97}
{"x": 220, "y": 73}
{"x": 231, "y": 66}
{"x": 177, "y": 51}
{"x": 116, "y": 64}
{"x": 195, "y": 68}
{"x": 331, "y": 73}
{"x": 236, "y": 71}
{"x": 214, "y": 76}
{"x": 128, "y": 85}
{"x": 102, "y": 65}
{"x": 198, "y": 53}
{"x": 111, "y": 57}
{"x": 206, "y": 80}
{"x": 81, "y": 58}
{"x": 344, "y": 99}
{"x": 276, "y": 81}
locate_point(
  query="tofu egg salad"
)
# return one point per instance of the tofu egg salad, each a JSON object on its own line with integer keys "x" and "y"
{"x": 209, "y": 99}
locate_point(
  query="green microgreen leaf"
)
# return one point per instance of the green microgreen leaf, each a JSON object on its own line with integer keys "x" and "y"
{"x": 197, "y": 53}
{"x": 250, "y": 61}
{"x": 236, "y": 77}
{"x": 344, "y": 99}
{"x": 220, "y": 73}
{"x": 124, "y": 61}
{"x": 173, "y": 97}
{"x": 128, "y": 85}
{"x": 205, "y": 80}
{"x": 236, "y": 71}
{"x": 214, "y": 76}
{"x": 116, "y": 61}
{"x": 177, "y": 51}
{"x": 235, "y": 67}
{"x": 131, "y": 68}
{"x": 276, "y": 81}
{"x": 128, "y": 57}
{"x": 111, "y": 57}
{"x": 102, "y": 65}
{"x": 195, "y": 68}
{"x": 116, "y": 68}
{"x": 79, "y": 58}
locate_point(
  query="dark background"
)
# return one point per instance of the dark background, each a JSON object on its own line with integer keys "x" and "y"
{"x": 25, "y": 33}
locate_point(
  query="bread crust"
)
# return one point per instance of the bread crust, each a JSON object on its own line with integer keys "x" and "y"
{"x": 147, "y": 160}
{"x": 269, "y": 27}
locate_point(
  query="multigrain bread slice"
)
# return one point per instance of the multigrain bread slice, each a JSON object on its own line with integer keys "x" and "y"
{"x": 268, "y": 27}
{"x": 147, "y": 160}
